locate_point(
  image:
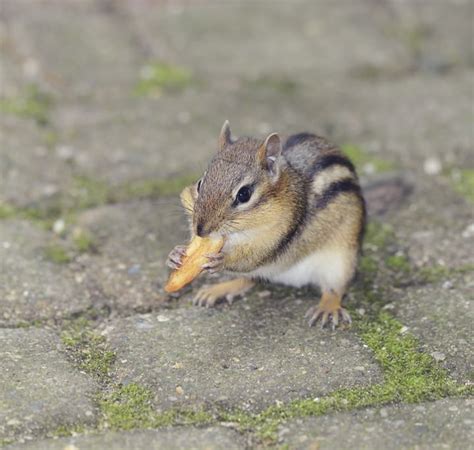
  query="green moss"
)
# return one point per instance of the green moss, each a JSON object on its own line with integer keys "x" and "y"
{"x": 378, "y": 235}
{"x": 31, "y": 103}
{"x": 56, "y": 253}
{"x": 88, "y": 193}
{"x": 6, "y": 211}
{"x": 66, "y": 431}
{"x": 409, "y": 376}
{"x": 368, "y": 265}
{"x": 362, "y": 159}
{"x": 50, "y": 138}
{"x": 433, "y": 274}
{"x": 159, "y": 77}
{"x": 398, "y": 262}
{"x": 83, "y": 241}
{"x": 130, "y": 406}
{"x": 463, "y": 182}
{"x": 88, "y": 349}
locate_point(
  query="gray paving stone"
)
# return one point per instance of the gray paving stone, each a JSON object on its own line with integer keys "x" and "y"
{"x": 442, "y": 318}
{"x": 249, "y": 356}
{"x": 444, "y": 424}
{"x": 141, "y": 139}
{"x": 184, "y": 438}
{"x": 32, "y": 288}
{"x": 426, "y": 119}
{"x": 381, "y": 34}
{"x": 433, "y": 226}
{"x": 133, "y": 242}
{"x": 78, "y": 47}
{"x": 40, "y": 391}
{"x": 30, "y": 172}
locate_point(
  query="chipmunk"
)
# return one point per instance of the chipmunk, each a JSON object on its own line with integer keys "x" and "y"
{"x": 290, "y": 211}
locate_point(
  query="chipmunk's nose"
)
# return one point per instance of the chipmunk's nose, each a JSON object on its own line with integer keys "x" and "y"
{"x": 199, "y": 229}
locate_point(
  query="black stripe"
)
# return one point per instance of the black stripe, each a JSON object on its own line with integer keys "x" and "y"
{"x": 336, "y": 188}
{"x": 325, "y": 161}
{"x": 299, "y": 219}
{"x": 297, "y": 139}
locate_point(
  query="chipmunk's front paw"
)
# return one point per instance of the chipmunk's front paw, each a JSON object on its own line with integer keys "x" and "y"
{"x": 329, "y": 312}
{"x": 209, "y": 295}
{"x": 214, "y": 263}
{"x": 175, "y": 257}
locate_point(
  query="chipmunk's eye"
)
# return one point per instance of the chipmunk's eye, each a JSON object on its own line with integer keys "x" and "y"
{"x": 244, "y": 194}
{"x": 198, "y": 187}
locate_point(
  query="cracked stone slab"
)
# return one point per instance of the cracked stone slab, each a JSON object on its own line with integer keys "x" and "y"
{"x": 32, "y": 288}
{"x": 179, "y": 438}
{"x": 247, "y": 356}
{"x": 40, "y": 391}
{"x": 439, "y": 425}
{"x": 441, "y": 316}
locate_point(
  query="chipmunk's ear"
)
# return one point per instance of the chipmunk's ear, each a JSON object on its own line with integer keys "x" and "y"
{"x": 269, "y": 152}
{"x": 225, "y": 138}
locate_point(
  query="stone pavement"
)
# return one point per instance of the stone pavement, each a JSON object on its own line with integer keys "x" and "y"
{"x": 109, "y": 108}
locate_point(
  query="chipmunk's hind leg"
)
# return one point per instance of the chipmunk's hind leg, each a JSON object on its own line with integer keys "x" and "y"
{"x": 329, "y": 311}
{"x": 209, "y": 295}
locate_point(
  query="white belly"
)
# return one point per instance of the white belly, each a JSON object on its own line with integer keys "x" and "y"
{"x": 329, "y": 269}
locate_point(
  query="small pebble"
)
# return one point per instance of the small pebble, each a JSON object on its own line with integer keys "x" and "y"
{"x": 403, "y": 329}
{"x": 438, "y": 356}
{"x": 468, "y": 231}
{"x": 264, "y": 294}
{"x": 162, "y": 318}
{"x": 447, "y": 285}
{"x": 59, "y": 226}
{"x": 432, "y": 166}
{"x": 179, "y": 390}
{"x": 134, "y": 270}
{"x": 384, "y": 413}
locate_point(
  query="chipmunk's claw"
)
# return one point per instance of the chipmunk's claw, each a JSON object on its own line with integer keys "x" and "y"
{"x": 214, "y": 263}
{"x": 175, "y": 257}
{"x": 205, "y": 297}
{"x": 330, "y": 319}
{"x": 208, "y": 296}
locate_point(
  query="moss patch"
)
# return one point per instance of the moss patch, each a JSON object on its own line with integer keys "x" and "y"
{"x": 6, "y": 211}
{"x": 83, "y": 241}
{"x": 31, "y": 103}
{"x": 159, "y": 77}
{"x": 88, "y": 349}
{"x": 88, "y": 193}
{"x": 57, "y": 254}
{"x": 365, "y": 162}
{"x": 433, "y": 274}
{"x": 409, "y": 375}
{"x": 130, "y": 406}
{"x": 463, "y": 182}
{"x": 398, "y": 262}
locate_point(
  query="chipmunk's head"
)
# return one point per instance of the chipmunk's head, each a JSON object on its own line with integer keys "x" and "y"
{"x": 243, "y": 187}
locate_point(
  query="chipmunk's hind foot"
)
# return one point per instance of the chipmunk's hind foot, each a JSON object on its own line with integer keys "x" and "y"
{"x": 329, "y": 311}
{"x": 208, "y": 296}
